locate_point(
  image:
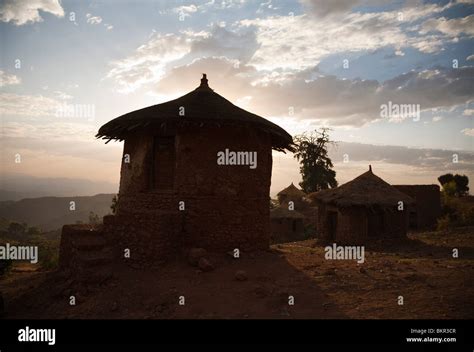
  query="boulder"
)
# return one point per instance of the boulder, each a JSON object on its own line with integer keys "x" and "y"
{"x": 241, "y": 275}
{"x": 205, "y": 265}
{"x": 261, "y": 292}
{"x": 195, "y": 254}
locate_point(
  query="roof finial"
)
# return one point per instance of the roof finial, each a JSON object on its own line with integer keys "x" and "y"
{"x": 370, "y": 168}
{"x": 204, "y": 80}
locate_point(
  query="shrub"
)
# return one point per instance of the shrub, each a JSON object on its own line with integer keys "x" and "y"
{"x": 48, "y": 254}
{"x": 50, "y": 260}
{"x": 309, "y": 231}
{"x": 5, "y": 266}
{"x": 456, "y": 212}
{"x": 443, "y": 223}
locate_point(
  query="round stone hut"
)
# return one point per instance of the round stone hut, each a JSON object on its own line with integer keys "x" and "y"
{"x": 286, "y": 225}
{"x": 292, "y": 194}
{"x": 361, "y": 210}
{"x": 195, "y": 173}
{"x": 300, "y": 204}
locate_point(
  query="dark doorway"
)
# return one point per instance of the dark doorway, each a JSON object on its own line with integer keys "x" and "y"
{"x": 163, "y": 162}
{"x": 332, "y": 224}
{"x": 413, "y": 220}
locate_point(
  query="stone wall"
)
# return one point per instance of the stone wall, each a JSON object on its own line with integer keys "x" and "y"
{"x": 225, "y": 207}
{"x": 85, "y": 251}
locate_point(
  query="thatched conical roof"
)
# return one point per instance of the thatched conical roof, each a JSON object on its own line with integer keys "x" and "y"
{"x": 366, "y": 190}
{"x": 282, "y": 212}
{"x": 202, "y": 106}
{"x": 292, "y": 191}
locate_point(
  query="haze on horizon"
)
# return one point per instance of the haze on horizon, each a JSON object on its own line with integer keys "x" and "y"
{"x": 302, "y": 64}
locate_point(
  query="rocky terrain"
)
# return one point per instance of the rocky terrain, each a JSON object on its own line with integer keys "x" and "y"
{"x": 421, "y": 269}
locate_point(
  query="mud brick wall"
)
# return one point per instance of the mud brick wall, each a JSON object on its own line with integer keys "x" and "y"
{"x": 298, "y": 203}
{"x": 357, "y": 225}
{"x": 351, "y": 226}
{"x": 311, "y": 216}
{"x": 395, "y": 224}
{"x": 286, "y": 230}
{"x": 226, "y": 207}
{"x": 428, "y": 203}
{"x": 310, "y": 212}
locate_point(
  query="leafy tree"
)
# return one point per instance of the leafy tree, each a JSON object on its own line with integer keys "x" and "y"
{"x": 5, "y": 266}
{"x": 4, "y": 223}
{"x": 446, "y": 178}
{"x": 33, "y": 231}
{"x": 17, "y": 230}
{"x": 315, "y": 165}
{"x": 93, "y": 218}
{"x": 449, "y": 188}
{"x": 454, "y": 185}
{"x": 461, "y": 185}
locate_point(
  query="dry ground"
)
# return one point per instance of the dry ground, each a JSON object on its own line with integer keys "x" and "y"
{"x": 422, "y": 270}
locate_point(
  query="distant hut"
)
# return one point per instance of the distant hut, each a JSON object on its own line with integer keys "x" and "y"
{"x": 286, "y": 225}
{"x": 293, "y": 194}
{"x": 175, "y": 193}
{"x": 363, "y": 209}
{"x": 300, "y": 203}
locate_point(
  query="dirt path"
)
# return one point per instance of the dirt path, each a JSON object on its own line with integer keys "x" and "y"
{"x": 432, "y": 283}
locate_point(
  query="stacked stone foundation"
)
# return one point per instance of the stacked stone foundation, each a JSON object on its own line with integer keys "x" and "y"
{"x": 154, "y": 228}
{"x": 85, "y": 251}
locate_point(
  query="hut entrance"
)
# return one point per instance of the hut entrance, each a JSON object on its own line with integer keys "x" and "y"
{"x": 163, "y": 162}
{"x": 332, "y": 224}
{"x": 413, "y": 220}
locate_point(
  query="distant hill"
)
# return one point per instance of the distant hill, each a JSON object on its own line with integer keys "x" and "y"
{"x": 17, "y": 186}
{"x": 50, "y": 213}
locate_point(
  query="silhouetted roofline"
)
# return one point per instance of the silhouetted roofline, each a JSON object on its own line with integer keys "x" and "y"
{"x": 202, "y": 107}
{"x": 365, "y": 190}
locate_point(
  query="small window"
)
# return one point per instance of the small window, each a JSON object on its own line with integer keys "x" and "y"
{"x": 164, "y": 159}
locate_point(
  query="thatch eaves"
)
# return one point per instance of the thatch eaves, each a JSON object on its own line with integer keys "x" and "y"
{"x": 202, "y": 107}
{"x": 292, "y": 191}
{"x": 282, "y": 212}
{"x": 367, "y": 190}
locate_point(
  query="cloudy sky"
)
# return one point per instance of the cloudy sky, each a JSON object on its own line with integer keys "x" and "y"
{"x": 301, "y": 64}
